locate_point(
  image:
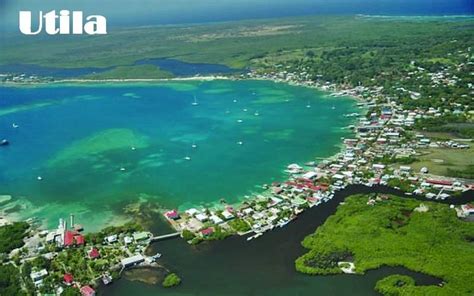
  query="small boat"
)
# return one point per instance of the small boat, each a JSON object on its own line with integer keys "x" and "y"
{"x": 4, "y": 142}
{"x": 245, "y": 110}
{"x": 235, "y": 101}
{"x": 194, "y": 145}
{"x": 39, "y": 178}
{"x": 195, "y": 103}
{"x": 256, "y": 114}
{"x": 157, "y": 256}
{"x": 187, "y": 158}
{"x": 240, "y": 121}
{"x": 308, "y": 106}
{"x": 14, "y": 125}
{"x": 240, "y": 143}
{"x": 249, "y": 238}
{"x": 133, "y": 148}
{"x": 122, "y": 169}
{"x": 333, "y": 107}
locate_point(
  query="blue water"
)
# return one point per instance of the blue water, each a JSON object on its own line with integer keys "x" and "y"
{"x": 77, "y": 137}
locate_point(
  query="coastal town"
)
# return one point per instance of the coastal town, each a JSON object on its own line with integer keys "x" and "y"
{"x": 384, "y": 145}
{"x": 67, "y": 260}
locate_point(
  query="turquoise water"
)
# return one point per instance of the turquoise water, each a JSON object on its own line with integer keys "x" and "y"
{"x": 99, "y": 147}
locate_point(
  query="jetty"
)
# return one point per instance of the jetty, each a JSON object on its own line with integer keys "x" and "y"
{"x": 165, "y": 236}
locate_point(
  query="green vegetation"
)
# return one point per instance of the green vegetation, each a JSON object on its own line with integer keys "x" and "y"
{"x": 187, "y": 235}
{"x": 405, "y": 185}
{"x": 391, "y": 233}
{"x": 98, "y": 237}
{"x": 239, "y": 225}
{"x": 132, "y": 72}
{"x": 389, "y": 159}
{"x": 11, "y": 236}
{"x": 10, "y": 284}
{"x": 467, "y": 173}
{"x": 460, "y": 125}
{"x": 403, "y": 285}
{"x": 171, "y": 280}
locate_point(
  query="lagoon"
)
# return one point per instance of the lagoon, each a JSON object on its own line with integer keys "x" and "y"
{"x": 98, "y": 147}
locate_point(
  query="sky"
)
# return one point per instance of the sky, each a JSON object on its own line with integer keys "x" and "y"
{"x": 152, "y": 12}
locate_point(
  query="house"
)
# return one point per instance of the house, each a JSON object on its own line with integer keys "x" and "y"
{"x": 202, "y": 217}
{"x": 208, "y": 231}
{"x": 192, "y": 212}
{"x": 128, "y": 240}
{"x": 227, "y": 215}
{"x": 94, "y": 253}
{"x": 72, "y": 238}
{"x": 377, "y": 166}
{"x": 68, "y": 279}
{"x": 173, "y": 215}
{"x": 111, "y": 239}
{"x": 131, "y": 261}
{"x": 139, "y": 236}
{"x": 38, "y": 276}
{"x": 467, "y": 209}
{"x": 87, "y": 291}
{"x": 215, "y": 219}
{"x": 310, "y": 175}
{"x": 440, "y": 182}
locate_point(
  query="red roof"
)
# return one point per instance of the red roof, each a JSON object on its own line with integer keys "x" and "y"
{"x": 207, "y": 231}
{"x": 68, "y": 278}
{"x": 80, "y": 240}
{"x": 87, "y": 291}
{"x": 440, "y": 182}
{"x": 94, "y": 253}
{"x": 172, "y": 214}
{"x": 68, "y": 238}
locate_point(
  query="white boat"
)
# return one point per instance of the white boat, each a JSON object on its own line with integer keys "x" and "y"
{"x": 194, "y": 145}
{"x": 235, "y": 101}
{"x": 122, "y": 169}
{"x": 309, "y": 105}
{"x": 245, "y": 110}
{"x": 256, "y": 114}
{"x": 195, "y": 103}
{"x": 157, "y": 256}
{"x": 240, "y": 143}
{"x": 187, "y": 158}
{"x": 240, "y": 120}
{"x": 333, "y": 107}
{"x": 39, "y": 178}
{"x": 14, "y": 125}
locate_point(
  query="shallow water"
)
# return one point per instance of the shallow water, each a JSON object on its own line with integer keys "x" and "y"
{"x": 97, "y": 146}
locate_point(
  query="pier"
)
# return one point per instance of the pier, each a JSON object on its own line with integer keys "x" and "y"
{"x": 164, "y": 236}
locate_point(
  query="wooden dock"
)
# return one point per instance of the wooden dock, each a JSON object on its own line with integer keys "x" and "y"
{"x": 165, "y": 236}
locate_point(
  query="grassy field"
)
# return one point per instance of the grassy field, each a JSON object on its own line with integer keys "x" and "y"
{"x": 439, "y": 160}
{"x": 392, "y": 233}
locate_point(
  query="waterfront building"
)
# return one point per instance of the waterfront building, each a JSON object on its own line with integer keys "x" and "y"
{"x": 132, "y": 261}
